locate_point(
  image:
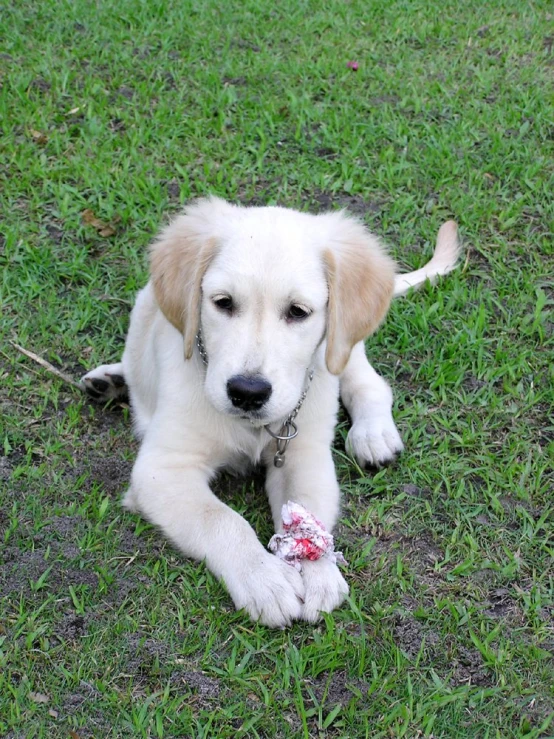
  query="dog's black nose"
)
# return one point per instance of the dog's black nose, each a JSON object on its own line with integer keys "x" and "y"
{"x": 248, "y": 393}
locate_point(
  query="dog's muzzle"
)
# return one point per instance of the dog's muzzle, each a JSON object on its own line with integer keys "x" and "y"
{"x": 251, "y": 393}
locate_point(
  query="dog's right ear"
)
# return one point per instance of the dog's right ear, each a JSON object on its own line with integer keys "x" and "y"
{"x": 178, "y": 260}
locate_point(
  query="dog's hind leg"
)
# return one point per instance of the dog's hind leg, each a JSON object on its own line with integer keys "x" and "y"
{"x": 373, "y": 439}
{"x": 105, "y": 383}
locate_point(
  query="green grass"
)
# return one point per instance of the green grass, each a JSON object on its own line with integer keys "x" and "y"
{"x": 131, "y": 108}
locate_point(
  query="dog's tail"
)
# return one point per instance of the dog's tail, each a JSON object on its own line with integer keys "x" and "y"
{"x": 443, "y": 261}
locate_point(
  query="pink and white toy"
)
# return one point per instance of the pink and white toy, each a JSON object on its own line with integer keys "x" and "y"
{"x": 304, "y": 537}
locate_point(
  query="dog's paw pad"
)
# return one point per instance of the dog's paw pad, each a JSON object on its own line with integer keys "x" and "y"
{"x": 100, "y": 386}
{"x": 117, "y": 380}
{"x": 103, "y": 385}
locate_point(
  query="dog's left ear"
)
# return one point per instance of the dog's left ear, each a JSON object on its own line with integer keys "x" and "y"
{"x": 360, "y": 276}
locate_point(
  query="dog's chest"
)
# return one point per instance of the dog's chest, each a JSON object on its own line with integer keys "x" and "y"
{"x": 244, "y": 447}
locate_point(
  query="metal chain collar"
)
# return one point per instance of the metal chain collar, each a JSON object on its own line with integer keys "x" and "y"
{"x": 288, "y": 429}
{"x": 201, "y": 348}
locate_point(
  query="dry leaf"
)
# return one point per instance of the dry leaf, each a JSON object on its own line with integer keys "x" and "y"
{"x": 104, "y": 229}
{"x": 107, "y": 231}
{"x": 89, "y": 217}
{"x": 38, "y": 136}
{"x": 74, "y": 735}
{"x": 52, "y": 713}
{"x": 39, "y": 697}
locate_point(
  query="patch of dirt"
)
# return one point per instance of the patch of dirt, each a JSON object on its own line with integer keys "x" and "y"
{"x": 143, "y": 646}
{"x": 409, "y": 634}
{"x": 116, "y": 124}
{"x": 173, "y": 189}
{"x": 355, "y": 204}
{"x": 468, "y": 668}
{"x": 472, "y": 383}
{"x": 74, "y": 703}
{"x": 419, "y": 554}
{"x": 20, "y": 569}
{"x": 6, "y": 468}
{"x": 414, "y": 491}
{"x": 102, "y": 419}
{"x": 245, "y": 44}
{"x": 55, "y": 547}
{"x": 169, "y": 81}
{"x": 40, "y": 85}
{"x": 460, "y": 664}
{"x": 71, "y": 627}
{"x": 324, "y": 152}
{"x": 337, "y": 689}
{"x": 111, "y": 473}
{"x": 55, "y": 234}
{"x": 499, "y": 604}
{"x": 148, "y": 656}
{"x": 127, "y": 92}
{"x": 379, "y": 100}
{"x": 196, "y": 681}
{"x": 235, "y": 81}
{"x": 62, "y": 526}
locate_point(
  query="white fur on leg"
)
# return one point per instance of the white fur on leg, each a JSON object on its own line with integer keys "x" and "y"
{"x": 269, "y": 590}
{"x": 325, "y": 587}
{"x": 172, "y": 492}
{"x": 373, "y": 439}
{"x": 309, "y": 478}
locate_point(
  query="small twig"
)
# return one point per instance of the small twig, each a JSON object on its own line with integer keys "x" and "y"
{"x": 47, "y": 366}
{"x": 112, "y": 299}
{"x": 466, "y": 262}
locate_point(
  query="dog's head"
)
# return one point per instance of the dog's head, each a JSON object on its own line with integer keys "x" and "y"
{"x": 270, "y": 288}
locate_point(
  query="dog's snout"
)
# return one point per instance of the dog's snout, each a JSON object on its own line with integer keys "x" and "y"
{"x": 248, "y": 393}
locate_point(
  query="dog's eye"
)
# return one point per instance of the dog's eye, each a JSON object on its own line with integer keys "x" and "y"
{"x": 224, "y": 303}
{"x": 297, "y": 313}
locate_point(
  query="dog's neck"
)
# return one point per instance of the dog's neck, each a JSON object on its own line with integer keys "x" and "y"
{"x": 288, "y": 429}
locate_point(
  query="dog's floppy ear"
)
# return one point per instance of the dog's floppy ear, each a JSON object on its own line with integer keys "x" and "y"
{"x": 360, "y": 276}
{"x": 178, "y": 260}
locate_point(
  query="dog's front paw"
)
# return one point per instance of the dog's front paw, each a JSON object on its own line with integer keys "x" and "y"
{"x": 374, "y": 442}
{"x": 105, "y": 383}
{"x": 325, "y": 586}
{"x": 269, "y": 590}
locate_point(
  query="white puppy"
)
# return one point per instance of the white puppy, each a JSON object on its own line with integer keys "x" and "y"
{"x": 244, "y": 305}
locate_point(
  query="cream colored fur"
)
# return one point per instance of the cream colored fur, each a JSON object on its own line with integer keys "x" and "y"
{"x": 265, "y": 259}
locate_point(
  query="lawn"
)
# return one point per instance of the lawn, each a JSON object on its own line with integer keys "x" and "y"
{"x": 113, "y": 115}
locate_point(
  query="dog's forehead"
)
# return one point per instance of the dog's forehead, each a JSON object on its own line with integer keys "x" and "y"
{"x": 274, "y": 248}
{"x": 264, "y": 231}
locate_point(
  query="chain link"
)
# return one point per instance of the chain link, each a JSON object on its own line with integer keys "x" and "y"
{"x": 201, "y": 348}
{"x": 297, "y": 407}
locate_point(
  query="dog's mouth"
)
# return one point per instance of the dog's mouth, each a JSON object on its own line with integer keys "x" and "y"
{"x": 254, "y": 418}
